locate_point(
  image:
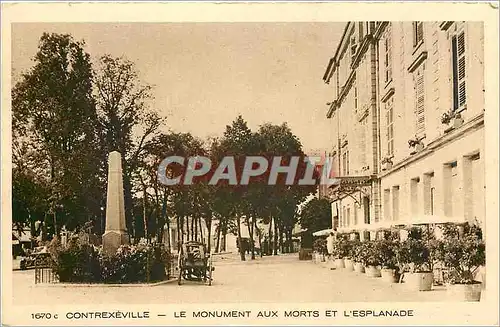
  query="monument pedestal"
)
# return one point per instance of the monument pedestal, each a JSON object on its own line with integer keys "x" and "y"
{"x": 113, "y": 239}
{"x": 116, "y": 230}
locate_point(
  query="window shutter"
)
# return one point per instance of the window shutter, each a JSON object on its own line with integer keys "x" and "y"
{"x": 461, "y": 70}
{"x": 420, "y": 107}
{"x": 420, "y": 31}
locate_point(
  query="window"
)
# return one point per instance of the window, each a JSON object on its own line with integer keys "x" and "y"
{"x": 429, "y": 193}
{"x": 361, "y": 31}
{"x": 414, "y": 186}
{"x": 388, "y": 55}
{"x": 458, "y": 61}
{"x": 418, "y": 33}
{"x": 345, "y": 163}
{"x": 395, "y": 202}
{"x": 419, "y": 103}
{"x": 355, "y": 97}
{"x": 355, "y": 222}
{"x": 389, "y": 113}
{"x": 353, "y": 48}
{"x": 366, "y": 208}
{"x": 387, "y": 204}
{"x": 348, "y": 217}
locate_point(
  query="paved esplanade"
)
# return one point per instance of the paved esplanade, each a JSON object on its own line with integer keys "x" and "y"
{"x": 282, "y": 279}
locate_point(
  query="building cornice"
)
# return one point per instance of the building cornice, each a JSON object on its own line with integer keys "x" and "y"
{"x": 347, "y": 86}
{"x": 333, "y": 107}
{"x": 380, "y": 30}
{"x": 334, "y": 60}
{"x": 387, "y": 95}
{"x": 445, "y": 25}
{"x": 361, "y": 51}
{"x": 418, "y": 60}
{"x": 470, "y": 126}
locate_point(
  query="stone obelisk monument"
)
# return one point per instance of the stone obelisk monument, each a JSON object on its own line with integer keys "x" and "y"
{"x": 116, "y": 228}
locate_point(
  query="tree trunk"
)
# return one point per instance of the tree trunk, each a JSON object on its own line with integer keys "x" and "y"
{"x": 270, "y": 246}
{"x": 201, "y": 231}
{"x": 282, "y": 246}
{"x": 275, "y": 247}
{"x": 219, "y": 230}
{"x": 224, "y": 233}
{"x": 240, "y": 248}
{"x": 165, "y": 220}
{"x": 209, "y": 236}
{"x": 250, "y": 232}
{"x": 194, "y": 228}
{"x": 187, "y": 228}
{"x": 257, "y": 230}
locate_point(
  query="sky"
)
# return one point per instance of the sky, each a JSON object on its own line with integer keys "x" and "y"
{"x": 205, "y": 74}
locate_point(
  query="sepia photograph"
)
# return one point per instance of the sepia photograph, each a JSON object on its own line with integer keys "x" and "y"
{"x": 260, "y": 163}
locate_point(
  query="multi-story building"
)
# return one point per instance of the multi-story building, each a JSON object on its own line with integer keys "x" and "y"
{"x": 407, "y": 116}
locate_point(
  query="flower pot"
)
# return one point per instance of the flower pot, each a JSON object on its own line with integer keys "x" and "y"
{"x": 457, "y": 122}
{"x": 420, "y": 281}
{"x": 359, "y": 267}
{"x": 373, "y": 271}
{"x": 464, "y": 292}
{"x": 339, "y": 263}
{"x": 349, "y": 265}
{"x": 388, "y": 275}
{"x": 387, "y": 166}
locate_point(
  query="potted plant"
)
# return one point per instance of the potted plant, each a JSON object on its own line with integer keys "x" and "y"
{"x": 453, "y": 119}
{"x": 319, "y": 248}
{"x": 348, "y": 259}
{"x": 372, "y": 259}
{"x": 416, "y": 145}
{"x": 387, "y": 249}
{"x": 414, "y": 257}
{"x": 464, "y": 253}
{"x": 339, "y": 253}
{"x": 386, "y": 163}
{"x": 359, "y": 257}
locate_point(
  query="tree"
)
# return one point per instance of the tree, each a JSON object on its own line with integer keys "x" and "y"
{"x": 278, "y": 203}
{"x": 125, "y": 118}
{"x": 238, "y": 141}
{"x": 54, "y": 113}
{"x": 316, "y": 215}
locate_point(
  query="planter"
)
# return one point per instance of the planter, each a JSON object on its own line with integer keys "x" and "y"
{"x": 373, "y": 271}
{"x": 339, "y": 263}
{"x": 387, "y": 166}
{"x": 388, "y": 275}
{"x": 359, "y": 267}
{"x": 464, "y": 292}
{"x": 349, "y": 265}
{"x": 421, "y": 281}
{"x": 457, "y": 122}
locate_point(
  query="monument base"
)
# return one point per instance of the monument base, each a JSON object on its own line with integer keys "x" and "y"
{"x": 111, "y": 240}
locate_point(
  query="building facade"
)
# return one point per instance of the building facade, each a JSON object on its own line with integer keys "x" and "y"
{"x": 407, "y": 114}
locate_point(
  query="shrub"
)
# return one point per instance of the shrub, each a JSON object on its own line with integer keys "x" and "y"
{"x": 84, "y": 263}
{"x": 372, "y": 250}
{"x": 463, "y": 252}
{"x": 387, "y": 249}
{"x": 320, "y": 246}
{"x": 414, "y": 255}
{"x": 77, "y": 263}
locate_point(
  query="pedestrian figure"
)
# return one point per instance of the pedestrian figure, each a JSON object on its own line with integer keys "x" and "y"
{"x": 330, "y": 242}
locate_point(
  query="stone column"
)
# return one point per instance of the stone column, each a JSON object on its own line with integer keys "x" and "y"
{"x": 116, "y": 230}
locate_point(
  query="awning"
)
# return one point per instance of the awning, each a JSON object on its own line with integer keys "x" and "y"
{"x": 427, "y": 220}
{"x": 324, "y": 232}
{"x": 348, "y": 185}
